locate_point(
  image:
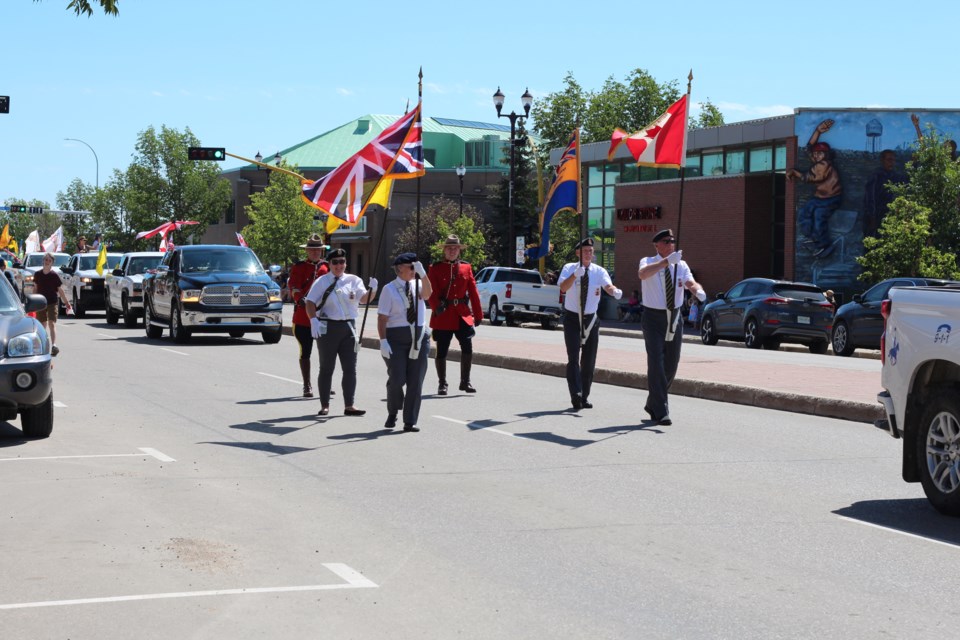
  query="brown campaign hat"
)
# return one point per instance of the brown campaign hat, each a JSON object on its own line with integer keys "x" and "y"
{"x": 315, "y": 241}
{"x": 453, "y": 241}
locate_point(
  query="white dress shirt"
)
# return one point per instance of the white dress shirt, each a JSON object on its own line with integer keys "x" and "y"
{"x": 598, "y": 279}
{"x": 651, "y": 289}
{"x": 343, "y": 303}
{"x": 393, "y": 303}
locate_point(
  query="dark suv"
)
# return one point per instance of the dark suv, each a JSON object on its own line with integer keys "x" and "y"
{"x": 858, "y": 323}
{"x": 763, "y": 313}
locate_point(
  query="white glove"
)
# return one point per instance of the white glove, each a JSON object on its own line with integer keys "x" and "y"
{"x": 617, "y": 293}
{"x": 579, "y": 272}
{"x": 385, "y": 349}
{"x": 701, "y": 295}
{"x": 675, "y": 257}
{"x": 315, "y": 327}
{"x": 418, "y": 268}
{"x": 373, "y": 284}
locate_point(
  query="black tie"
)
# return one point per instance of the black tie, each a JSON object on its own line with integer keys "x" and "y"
{"x": 669, "y": 295}
{"x": 411, "y": 308}
{"x": 584, "y": 288}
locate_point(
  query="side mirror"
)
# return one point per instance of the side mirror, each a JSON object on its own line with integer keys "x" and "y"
{"x": 858, "y": 298}
{"x": 118, "y": 271}
{"x": 35, "y": 302}
{"x": 721, "y": 296}
{"x": 67, "y": 270}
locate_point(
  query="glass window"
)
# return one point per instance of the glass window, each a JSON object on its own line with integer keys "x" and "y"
{"x": 736, "y": 291}
{"x": 735, "y": 162}
{"x": 761, "y": 159}
{"x": 648, "y": 173}
{"x": 231, "y": 215}
{"x": 595, "y": 197}
{"x": 693, "y": 165}
{"x": 669, "y": 174}
{"x": 780, "y": 158}
{"x": 611, "y": 174}
{"x": 877, "y": 292}
{"x": 629, "y": 173}
{"x": 594, "y": 218}
{"x": 713, "y": 164}
{"x": 594, "y": 176}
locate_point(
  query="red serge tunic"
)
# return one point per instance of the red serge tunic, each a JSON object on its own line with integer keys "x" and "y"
{"x": 455, "y": 295}
{"x": 301, "y": 277}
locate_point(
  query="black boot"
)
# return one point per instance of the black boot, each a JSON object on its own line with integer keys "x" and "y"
{"x": 466, "y": 360}
{"x": 305, "y": 373}
{"x": 442, "y": 375}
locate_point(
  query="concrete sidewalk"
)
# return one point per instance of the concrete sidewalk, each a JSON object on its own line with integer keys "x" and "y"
{"x": 810, "y": 386}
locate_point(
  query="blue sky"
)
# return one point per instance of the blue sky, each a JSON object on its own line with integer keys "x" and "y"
{"x": 262, "y": 76}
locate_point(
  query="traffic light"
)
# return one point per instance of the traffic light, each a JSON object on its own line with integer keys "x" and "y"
{"x": 207, "y": 153}
{"x": 4, "y": 104}
{"x": 36, "y": 209}
{"x": 18, "y": 208}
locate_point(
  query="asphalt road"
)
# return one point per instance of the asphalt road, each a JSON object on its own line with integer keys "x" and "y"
{"x": 187, "y": 492}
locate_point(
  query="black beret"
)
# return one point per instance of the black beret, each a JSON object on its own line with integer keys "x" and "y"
{"x": 663, "y": 235}
{"x": 405, "y": 258}
{"x": 336, "y": 253}
{"x": 586, "y": 242}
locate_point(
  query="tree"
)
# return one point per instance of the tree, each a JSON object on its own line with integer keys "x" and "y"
{"x": 162, "y": 184}
{"x": 22, "y": 224}
{"x": 446, "y": 210}
{"x": 526, "y": 208}
{"x": 109, "y": 213}
{"x": 709, "y": 116}
{"x": 279, "y": 220}
{"x": 83, "y": 6}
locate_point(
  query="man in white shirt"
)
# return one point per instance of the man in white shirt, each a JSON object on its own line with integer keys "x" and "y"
{"x": 582, "y": 282}
{"x": 663, "y": 278}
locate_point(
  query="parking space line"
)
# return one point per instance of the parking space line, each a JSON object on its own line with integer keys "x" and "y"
{"x": 104, "y": 335}
{"x": 179, "y": 353}
{"x": 481, "y": 428}
{"x": 903, "y": 533}
{"x": 153, "y": 453}
{"x": 353, "y": 580}
{"x": 270, "y": 375}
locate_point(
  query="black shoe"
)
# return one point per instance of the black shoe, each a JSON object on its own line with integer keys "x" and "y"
{"x": 391, "y": 421}
{"x": 577, "y": 403}
{"x": 466, "y": 386}
{"x": 665, "y": 421}
{"x": 586, "y": 405}
{"x": 411, "y": 427}
{"x": 323, "y": 411}
{"x": 650, "y": 413}
{"x": 354, "y": 412}
{"x": 442, "y": 389}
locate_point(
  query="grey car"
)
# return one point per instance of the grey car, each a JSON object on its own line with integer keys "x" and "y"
{"x": 26, "y": 382}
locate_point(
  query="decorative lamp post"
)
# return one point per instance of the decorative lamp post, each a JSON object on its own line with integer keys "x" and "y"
{"x": 277, "y": 158}
{"x": 95, "y": 158}
{"x": 258, "y": 157}
{"x": 527, "y": 101}
{"x": 461, "y": 171}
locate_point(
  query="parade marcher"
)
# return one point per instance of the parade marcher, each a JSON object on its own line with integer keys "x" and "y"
{"x": 301, "y": 279}
{"x": 581, "y": 329}
{"x": 404, "y": 344}
{"x": 332, "y": 304}
{"x": 663, "y": 278}
{"x": 456, "y": 311}
{"x": 47, "y": 283}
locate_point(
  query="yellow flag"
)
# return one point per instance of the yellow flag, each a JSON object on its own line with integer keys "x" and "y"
{"x": 5, "y": 236}
{"x": 102, "y": 258}
{"x": 13, "y": 247}
{"x": 333, "y": 223}
{"x": 381, "y": 195}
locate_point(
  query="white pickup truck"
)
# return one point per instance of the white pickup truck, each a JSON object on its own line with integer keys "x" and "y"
{"x": 921, "y": 381}
{"x": 519, "y": 295}
{"x": 123, "y": 289}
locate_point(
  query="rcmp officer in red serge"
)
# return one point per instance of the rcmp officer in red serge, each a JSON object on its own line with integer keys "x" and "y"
{"x": 582, "y": 281}
{"x": 663, "y": 278}
{"x": 301, "y": 279}
{"x": 455, "y": 302}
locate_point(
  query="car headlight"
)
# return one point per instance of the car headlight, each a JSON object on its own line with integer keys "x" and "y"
{"x": 274, "y": 295}
{"x": 86, "y": 280}
{"x": 26, "y": 345}
{"x": 190, "y": 295}
{"x": 137, "y": 286}
{"x": 28, "y": 278}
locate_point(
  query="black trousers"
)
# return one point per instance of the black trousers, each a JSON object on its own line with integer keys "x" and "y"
{"x": 404, "y": 372}
{"x": 444, "y": 337}
{"x": 337, "y": 342}
{"x": 581, "y": 360}
{"x": 662, "y": 358}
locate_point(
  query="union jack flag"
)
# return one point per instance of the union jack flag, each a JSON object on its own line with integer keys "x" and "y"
{"x": 397, "y": 153}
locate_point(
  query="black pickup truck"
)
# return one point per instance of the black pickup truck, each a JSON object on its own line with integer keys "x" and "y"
{"x": 211, "y": 289}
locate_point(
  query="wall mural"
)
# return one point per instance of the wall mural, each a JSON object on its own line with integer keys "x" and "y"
{"x": 841, "y": 177}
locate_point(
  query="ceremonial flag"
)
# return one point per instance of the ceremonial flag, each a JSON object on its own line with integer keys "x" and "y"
{"x": 240, "y": 240}
{"x": 55, "y": 242}
{"x": 32, "y": 243}
{"x": 564, "y": 194}
{"x": 5, "y": 236}
{"x": 14, "y": 247}
{"x": 165, "y": 228}
{"x": 663, "y": 143}
{"x": 346, "y": 192}
{"x": 102, "y": 258}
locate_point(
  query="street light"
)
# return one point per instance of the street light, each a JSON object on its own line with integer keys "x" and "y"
{"x": 461, "y": 171}
{"x": 526, "y": 100}
{"x": 258, "y": 157}
{"x": 96, "y": 159}
{"x": 277, "y": 158}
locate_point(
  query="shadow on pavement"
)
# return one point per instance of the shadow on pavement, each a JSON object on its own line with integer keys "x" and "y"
{"x": 265, "y": 447}
{"x": 10, "y": 436}
{"x": 913, "y": 516}
{"x": 649, "y": 426}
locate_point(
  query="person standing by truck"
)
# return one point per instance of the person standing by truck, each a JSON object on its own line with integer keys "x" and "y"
{"x": 456, "y": 307}
{"x": 48, "y": 284}
{"x": 301, "y": 279}
{"x": 581, "y": 329}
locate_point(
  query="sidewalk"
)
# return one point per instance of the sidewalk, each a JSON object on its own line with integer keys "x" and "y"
{"x": 811, "y": 386}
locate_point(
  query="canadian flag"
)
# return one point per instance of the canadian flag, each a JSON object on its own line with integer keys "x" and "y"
{"x": 662, "y": 143}
{"x": 240, "y": 239}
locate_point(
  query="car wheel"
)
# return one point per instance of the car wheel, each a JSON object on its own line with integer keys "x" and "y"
{"x": 938, "y": 450}
{"x": 152, "y": 330}
{"x": 177, "y": 333}
{"x": 272, "y": 337}
{"x": 112, "y": 316}
{"x": 494, "y": 313}
{"x": 708, "y": 332}
{"x": 129, "y": 317}
{"x": 842, "y": 345}
{"x": 751, "y": 334}
{"x": 548, "y": 323}
{"x": 37, "y": 422}
{"x": 819, "y": 346}
{"x": 78, "y": 309}
{"x": 235, "y": 334}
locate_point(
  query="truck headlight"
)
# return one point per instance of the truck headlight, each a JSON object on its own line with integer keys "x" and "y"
{"x": 26, "y": 345}
{"x": 274, "y": 295}
{"x": 137, "y": 286}
{"x": 86, "y": 280}
{"x": 28, "y": 278}
{"x": 190, "y": 295}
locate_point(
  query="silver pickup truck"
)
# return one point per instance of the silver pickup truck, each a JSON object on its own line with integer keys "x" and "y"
{"x": 519, "y": 295}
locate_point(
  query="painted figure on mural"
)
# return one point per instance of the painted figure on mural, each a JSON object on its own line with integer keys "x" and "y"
{"x": 877, "y": 195}
{"x": 813, "y": 217}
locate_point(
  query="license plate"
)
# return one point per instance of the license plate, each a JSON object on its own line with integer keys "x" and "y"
{"x": 803, "y": 319}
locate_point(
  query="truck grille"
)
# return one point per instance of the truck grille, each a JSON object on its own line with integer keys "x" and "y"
{"x": 226, "y": 295}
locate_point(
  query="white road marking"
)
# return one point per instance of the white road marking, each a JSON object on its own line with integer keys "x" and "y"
{"x": 59, "y": 404}
{"x": 491, "y": 429}
{"x": 903, "y": 533}
{"x": 270, "y": 375}
{"x": 354, "y": 580}
{"x": 107, "y": 336}
{"x": 153, "y": 453}
{"x": 179, "y": 353}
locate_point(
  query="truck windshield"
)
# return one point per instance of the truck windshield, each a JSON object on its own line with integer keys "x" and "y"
{"x": 519, "y": 276}
{"x": 211, "y": 261}
{"x": 89, "y": 262}
{"x": 143, "y": 264}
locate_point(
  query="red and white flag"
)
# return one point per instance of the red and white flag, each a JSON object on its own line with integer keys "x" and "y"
{"x": 55, "y": 242}
{"x": 240, "y": 239}
{"x": 662, "y": 143}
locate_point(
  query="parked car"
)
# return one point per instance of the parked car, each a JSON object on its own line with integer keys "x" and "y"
{"x": 763, "y": 313}
{"x": 519, "y": 295}
{"x": 33, "y": 262}
{"x": 84, "y": 286}
{"x": 26, "y": 382}
{"x": 858, "y": 323}
{"x": 123, "y": 289}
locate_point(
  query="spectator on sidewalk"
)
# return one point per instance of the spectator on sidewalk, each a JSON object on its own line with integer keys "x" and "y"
{"x": 48, "y": 284}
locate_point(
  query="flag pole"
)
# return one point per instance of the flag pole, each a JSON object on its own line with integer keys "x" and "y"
{"x": 683, "y": 165}
{"x": 376, "y": 266}
{"x": 266, "y": 166}
{"x": 419, "y": 178}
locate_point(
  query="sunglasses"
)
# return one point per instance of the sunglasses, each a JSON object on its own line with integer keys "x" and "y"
{"x": 668, "y": 241}
{"x": 339, "y": 261}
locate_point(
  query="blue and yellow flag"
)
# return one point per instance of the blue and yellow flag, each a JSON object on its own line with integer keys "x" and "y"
{"x": 564, "y": 194}
{"x": 102, "y": 258}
